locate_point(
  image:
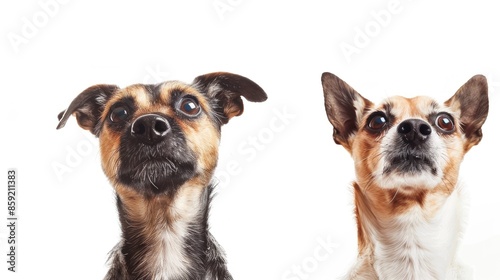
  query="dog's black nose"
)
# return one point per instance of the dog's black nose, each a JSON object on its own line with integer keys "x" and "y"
{"x": 414, "y": 131}
{"x": 150, "y": 129}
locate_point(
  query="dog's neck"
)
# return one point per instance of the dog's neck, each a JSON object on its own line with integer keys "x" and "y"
{"x": 165, "y": 237}
{"x": 405, "y": 236}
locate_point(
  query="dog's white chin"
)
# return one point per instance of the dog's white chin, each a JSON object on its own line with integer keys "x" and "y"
{"x": 421, "y": 180}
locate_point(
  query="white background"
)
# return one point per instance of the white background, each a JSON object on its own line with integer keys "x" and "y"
{"x": 279, "y": 200}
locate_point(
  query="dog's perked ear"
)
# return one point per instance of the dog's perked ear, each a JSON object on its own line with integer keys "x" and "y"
{"x": 88, "y": 107}
{"x": 471, "y": 100}
{"x": 226, "y": 89}
{"x": 344, "y": 108}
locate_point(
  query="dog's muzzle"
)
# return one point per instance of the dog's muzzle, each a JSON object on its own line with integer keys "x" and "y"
{"x": 411, "y": 152}
{"x": 154, "y": 156}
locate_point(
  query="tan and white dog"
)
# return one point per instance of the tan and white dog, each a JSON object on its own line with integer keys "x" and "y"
{"x": 407, "y": 154}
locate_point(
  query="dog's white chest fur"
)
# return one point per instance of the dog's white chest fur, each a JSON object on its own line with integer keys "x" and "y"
{"x": 172, "y": 261}
{"x": 412, "y": 246}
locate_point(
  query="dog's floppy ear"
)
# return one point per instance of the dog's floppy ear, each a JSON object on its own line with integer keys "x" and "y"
{"x": 471, "y": 100}
{"x": 87, "y": 107}
{"x": 344, "y": 108}
{"x": 226, "y": 89}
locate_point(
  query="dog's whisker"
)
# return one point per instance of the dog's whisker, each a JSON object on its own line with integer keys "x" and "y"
{"x": 152, "y": 183}
{"x": 395, "y": 194}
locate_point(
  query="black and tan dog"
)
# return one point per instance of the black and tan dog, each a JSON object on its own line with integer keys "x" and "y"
{"x": 159, "y": 148}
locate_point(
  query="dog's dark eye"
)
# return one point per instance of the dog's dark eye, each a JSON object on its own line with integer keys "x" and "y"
{"x": 377, "y": 122}
{"x": 445, "y": 122}
{"x": 119, "y": 114}
{"x": 189, "y": 106}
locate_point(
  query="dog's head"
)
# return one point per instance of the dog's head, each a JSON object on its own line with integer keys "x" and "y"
{"x": 155, "y": 138}
{"x": 406, "y": 144}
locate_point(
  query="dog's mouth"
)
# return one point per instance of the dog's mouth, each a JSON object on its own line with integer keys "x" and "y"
{"x": 410, "y": 162}
{"x": 409, "y": 167}
{"x": 157, "y": 175}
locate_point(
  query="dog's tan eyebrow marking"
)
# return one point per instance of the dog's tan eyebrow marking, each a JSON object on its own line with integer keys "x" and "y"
{"x": 139, "y": 93}
{"x": 170, "y": 90}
